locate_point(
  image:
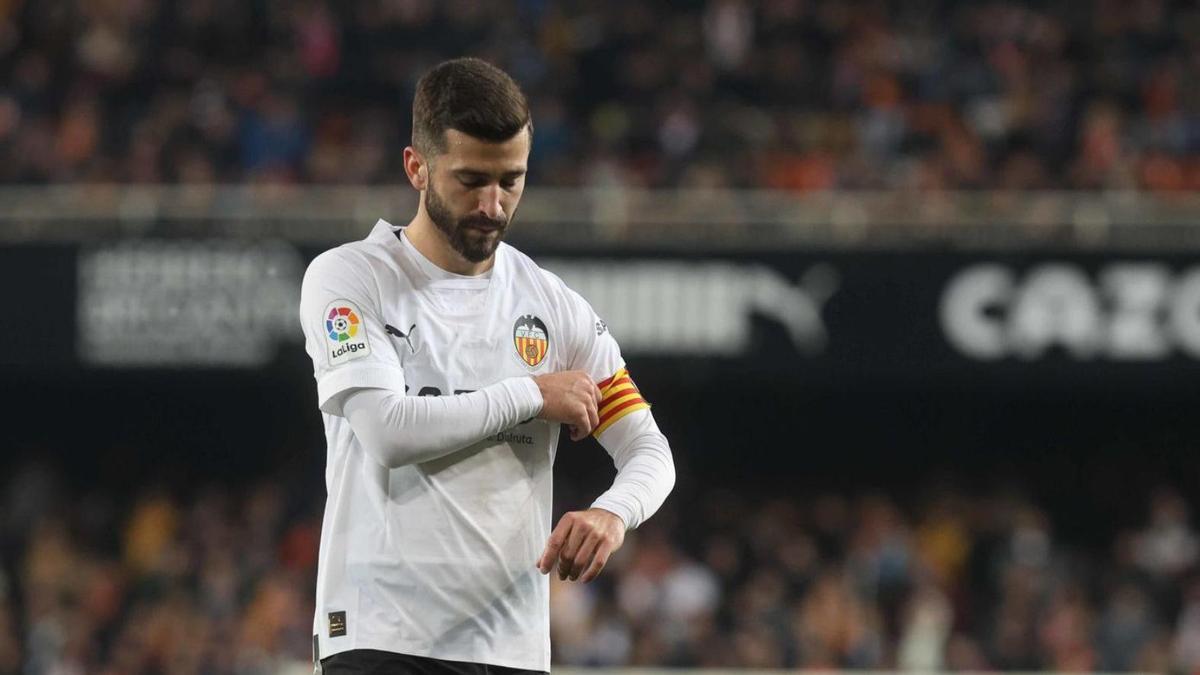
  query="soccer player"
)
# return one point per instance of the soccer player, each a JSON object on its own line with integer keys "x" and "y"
{"x": 446, "y": 362}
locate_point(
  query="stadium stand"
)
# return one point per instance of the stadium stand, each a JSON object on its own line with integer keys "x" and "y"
{"x": 219, "y": 582}
{"x": 790, "y": 94}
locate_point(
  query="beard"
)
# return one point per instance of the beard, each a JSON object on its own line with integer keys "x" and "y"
{"x": 472, "y": 244}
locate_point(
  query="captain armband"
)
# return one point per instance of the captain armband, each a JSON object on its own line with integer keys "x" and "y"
{"x": 619, "y": 397}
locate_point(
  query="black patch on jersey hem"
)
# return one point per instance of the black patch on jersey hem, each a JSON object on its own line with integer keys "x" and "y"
{"x": 337, "y": 624}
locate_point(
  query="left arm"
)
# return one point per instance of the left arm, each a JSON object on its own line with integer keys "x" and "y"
{"x": 645, "y": 469}
{"x": 583, "y": 540}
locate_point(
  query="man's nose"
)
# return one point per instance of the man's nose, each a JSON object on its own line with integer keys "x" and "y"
{"x": 489, "y": 202}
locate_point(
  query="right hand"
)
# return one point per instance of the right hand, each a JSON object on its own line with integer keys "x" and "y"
{"x": 572, "y": 398}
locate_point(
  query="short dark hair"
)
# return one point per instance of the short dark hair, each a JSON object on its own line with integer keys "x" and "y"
{"x": 472, "y": 96}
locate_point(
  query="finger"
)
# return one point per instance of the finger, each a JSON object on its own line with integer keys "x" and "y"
{"x": 583, "y": 559}
{"x": 597, "y": 394}
{"x": 580, "y": 428}
{"x": 583, "y": 422}
{"x": 593, "y": 417}
{"x": 567, "y": 555}
{"x": 598, "y": 562}
{"x": 558, "y": 538}
{"x": 576, "y": 540}
{"x": 553, "y": 545}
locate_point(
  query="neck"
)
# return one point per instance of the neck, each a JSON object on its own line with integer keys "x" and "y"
{"x": 432, "y": 243}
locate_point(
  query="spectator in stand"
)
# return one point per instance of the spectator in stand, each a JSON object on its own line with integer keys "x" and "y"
{"x": 219, "y": 582}
{"x": 788, "y": 94}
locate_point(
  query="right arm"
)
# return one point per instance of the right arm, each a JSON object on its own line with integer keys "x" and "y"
{"x": 398, "y": 430}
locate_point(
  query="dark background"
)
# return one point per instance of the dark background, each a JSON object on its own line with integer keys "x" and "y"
{"x": 889, "y": 405}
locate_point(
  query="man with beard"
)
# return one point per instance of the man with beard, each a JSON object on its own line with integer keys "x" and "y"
{"x": 445, "y": 363}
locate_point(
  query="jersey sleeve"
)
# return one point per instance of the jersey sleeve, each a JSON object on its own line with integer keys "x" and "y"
{"x": 344, "y": 331}
{"x": 595, "y": 351}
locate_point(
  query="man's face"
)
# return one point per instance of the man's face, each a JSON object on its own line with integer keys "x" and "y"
{"x": 473, "y": 191}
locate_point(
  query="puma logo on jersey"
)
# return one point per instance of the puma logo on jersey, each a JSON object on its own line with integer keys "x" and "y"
{"x": 400, "y": 334}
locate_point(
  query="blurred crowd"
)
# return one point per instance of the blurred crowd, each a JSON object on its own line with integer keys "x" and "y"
{"x": 788, "y": 94}
{"x": 221, "y": 582}
{"x": 958, "y": 582}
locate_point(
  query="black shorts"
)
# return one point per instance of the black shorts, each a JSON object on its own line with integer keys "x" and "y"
{"x": 375, "y": 662}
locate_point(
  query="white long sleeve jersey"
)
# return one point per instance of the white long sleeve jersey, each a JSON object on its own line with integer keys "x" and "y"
{"x": 438, "y": 508}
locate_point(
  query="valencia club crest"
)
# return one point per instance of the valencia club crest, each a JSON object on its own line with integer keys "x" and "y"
{"x": 531, "y": 339}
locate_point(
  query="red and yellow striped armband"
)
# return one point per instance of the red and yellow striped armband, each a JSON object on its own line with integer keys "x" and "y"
{"x": 619, "y": 397}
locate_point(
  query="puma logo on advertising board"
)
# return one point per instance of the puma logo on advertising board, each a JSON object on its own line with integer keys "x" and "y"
{"x": 700, "y": 308}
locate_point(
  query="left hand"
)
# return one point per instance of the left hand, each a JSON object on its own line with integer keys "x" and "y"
{"x": 582, "y": 543}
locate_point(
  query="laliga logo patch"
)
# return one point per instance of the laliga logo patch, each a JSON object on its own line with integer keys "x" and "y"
{"x": 531, "y": 339}
{"x": 345, "y": 329}
{"x": 342, "y": 324}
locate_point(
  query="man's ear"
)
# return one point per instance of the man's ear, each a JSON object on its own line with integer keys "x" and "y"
{"x": 416, "y": 168}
